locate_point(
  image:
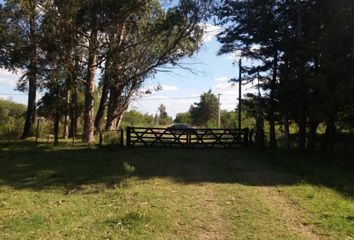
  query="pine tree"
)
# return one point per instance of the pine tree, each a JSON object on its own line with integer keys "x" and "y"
{"x": 205, "y": 112}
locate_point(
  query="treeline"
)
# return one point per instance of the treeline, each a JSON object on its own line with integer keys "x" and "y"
{"x": 205, "y": 114}
{"x": 135, "y": 118}
{"x": 61, "y": 46}
{"x": 12, "y": 117}
{"x": 302, "y": 56}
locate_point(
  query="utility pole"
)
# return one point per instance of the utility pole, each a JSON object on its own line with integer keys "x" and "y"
{"x": 219, "y": 114}
{"x": 239, "y": 94}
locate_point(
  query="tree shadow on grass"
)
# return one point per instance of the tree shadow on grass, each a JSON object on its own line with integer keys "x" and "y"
{"x": 40, "y": 167}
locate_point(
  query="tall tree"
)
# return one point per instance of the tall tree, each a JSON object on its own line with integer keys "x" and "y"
{"x": 163, "y": 116}
{"x": 23, "y": 20}
{"x": 253, "y": 29}
{"x": 302, "y": 52}
{"x": 205, "y": 112}
{"x": 90, "y": 12}
{"x": 60, "y": 45}
{"x": 157, "y": 38}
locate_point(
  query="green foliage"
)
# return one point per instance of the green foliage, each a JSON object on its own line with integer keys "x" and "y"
{"x": 228, "y": 119}
{"x": 163, "y": 119}
{"x": 12, "y": 117}
{"x": 112, "y": 138}
{"x": 128, "y": 169}
{"x": 205, "y": 112}
{"x": 50, "y": 103}
{"x": 133, "y": 118}
{"x": 303, "y": 52}
{"x": 61, "y": 44}
{"x": 183, "y": 118}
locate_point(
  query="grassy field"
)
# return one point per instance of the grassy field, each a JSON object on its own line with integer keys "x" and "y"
{"x": 86, "y": 193}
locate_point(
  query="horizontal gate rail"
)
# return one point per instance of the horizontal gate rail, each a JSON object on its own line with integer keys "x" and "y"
{"x": 187, "y": 138}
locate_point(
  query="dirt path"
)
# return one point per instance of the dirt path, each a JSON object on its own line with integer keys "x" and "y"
{"x": 292, "y": 215}
{"x": 271, "y": 207}
{"x": 215, "y": 225}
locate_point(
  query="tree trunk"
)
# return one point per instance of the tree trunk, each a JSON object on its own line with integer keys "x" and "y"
{"x": 56, "y": 128}
{"x": 114, "y": 121}
{"x": 56, "y": 118}
{"x": 120, "y": 117}
{"x": 32, "y": 81}
{"x": 103, "y": 103}
{"x": 330, "y": 134}
{"x": 259, "y": 132}
{"x": 117, "y": 105}
{"x": 311, "y": 145}
{"x": 66, "y": 114}
{"x": 286, "y": 130}
{"x": 73, "y": 113}
{"x": 302, "y": 132}
{"x": 113, "y": 105}
{"x": 272, "y": 136}
{"x": 88, "y": 133}
{"x": 31, "y": 105}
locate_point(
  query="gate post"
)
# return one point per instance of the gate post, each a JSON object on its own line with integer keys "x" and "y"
{"x": 250, "y": 138}
{"x": 128, "y": 136}
{"x": 121, "y": 137}
{"x": 189, "y": 138}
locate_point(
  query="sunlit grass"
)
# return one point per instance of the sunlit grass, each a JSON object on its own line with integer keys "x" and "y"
{"x": 85, "y": 192}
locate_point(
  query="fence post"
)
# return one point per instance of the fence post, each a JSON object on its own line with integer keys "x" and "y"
{"x": 121, "y": 137}
{"x": 246, "y": 132}
{"x": 189, "y": 139}
{"x": 128, "y": 136}
{"x": 37, "y": 130}
{"x": 250, "y": 138}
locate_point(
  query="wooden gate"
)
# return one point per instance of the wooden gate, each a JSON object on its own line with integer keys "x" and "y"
{"x": 187, "y": 138}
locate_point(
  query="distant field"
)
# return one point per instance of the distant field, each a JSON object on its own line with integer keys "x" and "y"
{"x": 88, "y": 193}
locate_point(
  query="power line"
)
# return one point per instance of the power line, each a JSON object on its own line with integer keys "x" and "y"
{"x": 13, "y": 94}
{"x": 137, "y": 99}
{"x": 161, "y": 99}
{"x": 174, "y": 98}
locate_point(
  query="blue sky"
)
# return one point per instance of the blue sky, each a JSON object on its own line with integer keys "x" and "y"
{"x": 180, "y": 87}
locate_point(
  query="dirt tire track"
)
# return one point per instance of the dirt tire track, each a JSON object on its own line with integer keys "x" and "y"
{"x": 290, "y": 213}
{"x": 214, "y": 226}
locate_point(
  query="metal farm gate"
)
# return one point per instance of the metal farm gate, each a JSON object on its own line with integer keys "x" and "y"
{"x": 187, "y": 138}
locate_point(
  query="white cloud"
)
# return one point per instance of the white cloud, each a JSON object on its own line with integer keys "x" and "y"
{"x": 157, "y": 88}
{"x": 229, "y": 93}
{"x": 221, "y": 79}
{"x": 238, "y": 53}
{"x": 150, "y": 104}
{"x": 169, "y": 88}
{"x": 3, "y": 97}
{"x": 210, "y": 31}
{"x": 7, "y": 77}
{"x": 181, "y": 102}
{"x": 255, "y": 48}
{"x": 234, "y": 55}
{"x": 225, "y": 88}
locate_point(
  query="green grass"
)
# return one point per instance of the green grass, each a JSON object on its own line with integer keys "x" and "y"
{"x": 86, "y": 192}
